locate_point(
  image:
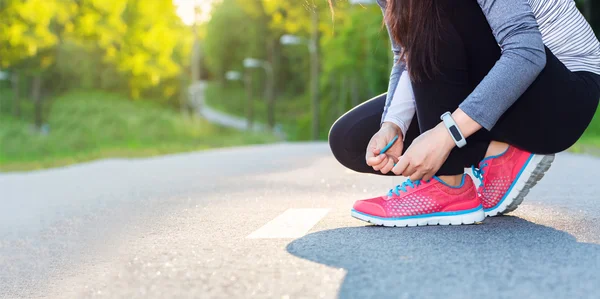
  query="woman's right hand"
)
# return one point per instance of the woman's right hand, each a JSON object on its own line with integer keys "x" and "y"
{"x": 385, "y": 162}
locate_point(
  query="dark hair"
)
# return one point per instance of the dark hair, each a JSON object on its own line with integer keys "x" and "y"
{"x": 415, "y": 25}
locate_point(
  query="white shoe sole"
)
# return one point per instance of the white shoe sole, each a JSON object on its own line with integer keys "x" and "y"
{"x": 533, "y": 172}
{"x": 445, "y": 218}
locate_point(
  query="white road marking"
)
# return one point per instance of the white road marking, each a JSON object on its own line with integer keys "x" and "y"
{"x": 291, "y": 224}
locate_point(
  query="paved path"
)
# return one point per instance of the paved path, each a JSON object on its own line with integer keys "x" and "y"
{"x": 273, "y": 222}
{"x": 223, "y": 119}
{"x": 232, "y": 121}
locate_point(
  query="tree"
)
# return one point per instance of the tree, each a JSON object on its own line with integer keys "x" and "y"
{"x": 28, "y": 41}
{"x": 304, "y": 20}
{"x": 228, "y": 44}
{"x": 231, "y": 37}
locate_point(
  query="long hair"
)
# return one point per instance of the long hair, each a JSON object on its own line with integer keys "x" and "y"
{"x": 416, "y": 26}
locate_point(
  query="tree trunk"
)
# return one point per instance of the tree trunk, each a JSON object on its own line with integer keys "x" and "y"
{"x": 270, "y": 95}
{"x": 196, "y": 58}
{"x": 355, "y": 97}
{"x": 314, "y": 74}
{"x": 342, "y": 95}
{"x": 249, "y": 103}
{"x": 36, "y": 94}
{"x": 16, "y": 87}
{"x": 196, "y": 47}
{"x": 334, "y": 94}
{"x": 191, "y": 101}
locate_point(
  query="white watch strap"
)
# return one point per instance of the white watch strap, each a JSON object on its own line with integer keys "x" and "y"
{"x": 453, "y": 129}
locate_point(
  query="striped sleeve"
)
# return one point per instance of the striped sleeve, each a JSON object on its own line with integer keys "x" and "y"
{"x": 567, "y": 34}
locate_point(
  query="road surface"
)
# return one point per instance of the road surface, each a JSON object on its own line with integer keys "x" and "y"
{"x": 273, "y": 222}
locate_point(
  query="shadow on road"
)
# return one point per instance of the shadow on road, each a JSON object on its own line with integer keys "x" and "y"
{"x": 505, "y": 257}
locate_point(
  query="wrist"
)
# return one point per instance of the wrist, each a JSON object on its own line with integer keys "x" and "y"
{"x": 447, "y": 140}
{"x": 394, "y": 127}
{"x": 465, "y": 123}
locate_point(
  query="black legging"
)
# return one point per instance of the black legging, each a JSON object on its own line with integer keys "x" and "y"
{"x": 548, "y": 118}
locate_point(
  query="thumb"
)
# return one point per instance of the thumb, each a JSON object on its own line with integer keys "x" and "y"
{"x": 376, "y": 146}
{"x": 376, "y": 151}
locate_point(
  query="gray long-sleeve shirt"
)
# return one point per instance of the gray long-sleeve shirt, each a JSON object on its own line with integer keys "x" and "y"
{"x": 516, "y": 30}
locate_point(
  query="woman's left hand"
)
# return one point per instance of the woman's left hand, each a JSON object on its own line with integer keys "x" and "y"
{"x": 426, "y": 154}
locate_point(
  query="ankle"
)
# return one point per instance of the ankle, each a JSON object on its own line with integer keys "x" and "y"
{"x": 452, "y": 180}
{"x": 496, "y": 148}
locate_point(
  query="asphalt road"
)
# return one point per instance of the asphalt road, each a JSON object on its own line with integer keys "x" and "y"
{"x": 178, "y": 227}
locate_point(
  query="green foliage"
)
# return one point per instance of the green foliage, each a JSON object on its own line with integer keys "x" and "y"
{"x": 356, "y": 52}
{"x": 355, "y": 55}
{"x": 132, "y": 46}
{"x": 90, "y": 125}
{"x": 234, "y": 32}
{"x": 26, "y": 31}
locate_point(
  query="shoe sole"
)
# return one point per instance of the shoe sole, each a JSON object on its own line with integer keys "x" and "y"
{"x": 473, "y": 216}
{"x": 534, "y": 171}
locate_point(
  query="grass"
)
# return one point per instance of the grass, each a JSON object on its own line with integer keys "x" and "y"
{"x": 88, "y": 125}
{"x": 589, "y": 143}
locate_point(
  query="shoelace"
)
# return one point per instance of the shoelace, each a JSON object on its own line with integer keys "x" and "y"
{"x": 396, "y": 190}
{"x": 479, "y": 172}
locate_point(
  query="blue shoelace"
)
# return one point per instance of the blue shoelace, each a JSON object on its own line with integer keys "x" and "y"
{"x": 396, "y": 190}
{"x": 479, "y": 172}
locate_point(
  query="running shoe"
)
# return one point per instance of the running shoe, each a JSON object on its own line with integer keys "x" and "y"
{"x": 507, "y": 178}
{"x": 419, "y": 203}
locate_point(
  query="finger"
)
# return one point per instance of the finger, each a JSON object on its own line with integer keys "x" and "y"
{"x": 376, "y": 151}
{"x": 428, "y": 176}
{"x": 375, "y": 160}
{"x": 410, "y": 170}
{"x": 400, "y": 167}
{"x": 382, "y": 164}
{"x": 388, "y": 166}
{"x": 417, "y": 175}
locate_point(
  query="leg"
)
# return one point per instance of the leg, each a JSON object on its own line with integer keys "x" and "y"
{"x": 351, "y": 133}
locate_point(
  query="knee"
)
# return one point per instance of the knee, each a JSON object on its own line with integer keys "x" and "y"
{"x": 341, "y": 145}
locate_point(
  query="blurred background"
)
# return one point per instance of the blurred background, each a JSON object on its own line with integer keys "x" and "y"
{"x": 88, "y": 79}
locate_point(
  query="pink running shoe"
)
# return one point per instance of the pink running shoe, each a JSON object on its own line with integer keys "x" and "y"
{"x": 508, "y": 177}
{"x": 421, "y": 203}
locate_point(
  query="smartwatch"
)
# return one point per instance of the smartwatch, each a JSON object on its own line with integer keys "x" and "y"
{"x": 453, "y": 129}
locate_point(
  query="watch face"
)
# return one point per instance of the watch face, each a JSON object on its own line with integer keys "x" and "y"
{"x": 455, "y": 133}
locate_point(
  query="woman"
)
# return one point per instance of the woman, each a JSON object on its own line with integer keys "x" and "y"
{"x": 497, "y": 84}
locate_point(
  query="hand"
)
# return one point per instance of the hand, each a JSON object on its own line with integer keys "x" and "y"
{"x": 426, "y": 154}
{"x": 384, "y": 162}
